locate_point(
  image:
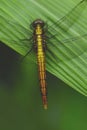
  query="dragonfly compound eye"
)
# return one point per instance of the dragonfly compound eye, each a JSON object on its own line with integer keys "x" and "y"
{"x": 38, "y": 22}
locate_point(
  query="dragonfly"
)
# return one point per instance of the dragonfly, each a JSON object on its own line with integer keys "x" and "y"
{"x": 42, "y": 36}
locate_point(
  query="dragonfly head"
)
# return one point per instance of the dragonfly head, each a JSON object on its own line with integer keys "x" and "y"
{"x": 38, "y": 22}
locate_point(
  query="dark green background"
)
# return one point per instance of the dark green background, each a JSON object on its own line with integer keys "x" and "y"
{"x": 20, "y": 100}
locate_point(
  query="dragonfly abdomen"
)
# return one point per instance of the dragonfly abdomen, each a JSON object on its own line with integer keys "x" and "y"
{"x": 42, "y": 73}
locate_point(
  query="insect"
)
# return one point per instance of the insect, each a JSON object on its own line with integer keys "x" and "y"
{"x": 40, "y": 48}
{"x": 42, "y": 35}
{"x": 40, "y": 45}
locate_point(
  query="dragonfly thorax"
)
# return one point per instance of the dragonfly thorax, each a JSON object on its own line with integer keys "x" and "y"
{"x": 38, "y": 30}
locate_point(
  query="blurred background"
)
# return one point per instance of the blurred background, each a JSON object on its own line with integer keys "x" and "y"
{"x": 20, "y": 100}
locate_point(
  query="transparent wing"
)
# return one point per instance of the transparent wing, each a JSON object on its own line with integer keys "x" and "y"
{"x": 75, "y": 39}
{"x": 17, "y": 36}
{"x": 68, "y": 59}
{"x": 62, "y": 25}
{"x": 67, "y": 49}
{"x": 68, "y": 40}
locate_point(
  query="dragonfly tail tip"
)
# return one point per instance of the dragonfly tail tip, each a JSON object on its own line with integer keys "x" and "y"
{"x": 45, "y": 106}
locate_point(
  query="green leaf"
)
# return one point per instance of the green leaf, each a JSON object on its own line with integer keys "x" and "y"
{"x": 66, "y": 56}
